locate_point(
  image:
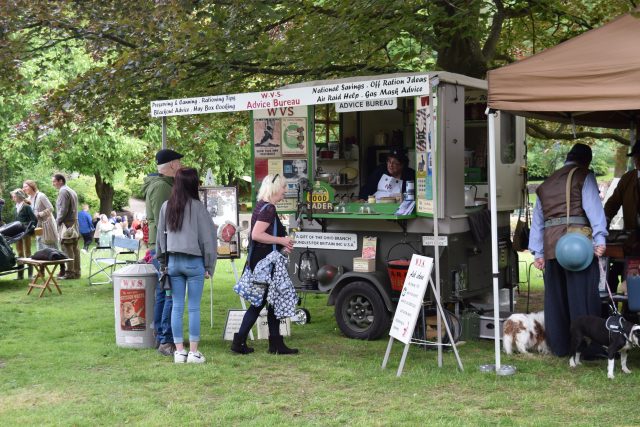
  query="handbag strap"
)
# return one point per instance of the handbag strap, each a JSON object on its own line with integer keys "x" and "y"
{"x": 568, "y": 193}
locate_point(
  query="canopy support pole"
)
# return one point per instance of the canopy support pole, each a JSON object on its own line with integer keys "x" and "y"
{"x": 493, "y": 206}
{"x": 164, "y": 132}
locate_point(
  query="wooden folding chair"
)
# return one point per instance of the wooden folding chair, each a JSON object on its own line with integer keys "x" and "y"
{"x": 104, "y": 265}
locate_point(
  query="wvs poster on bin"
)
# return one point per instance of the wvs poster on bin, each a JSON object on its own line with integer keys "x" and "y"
{"x": 408, "y": 309}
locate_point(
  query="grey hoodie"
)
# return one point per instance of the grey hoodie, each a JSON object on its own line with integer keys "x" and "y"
{"x": 198, "y": 235}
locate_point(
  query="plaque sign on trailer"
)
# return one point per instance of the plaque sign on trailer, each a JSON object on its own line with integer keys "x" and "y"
{"x": 318, "y": 240}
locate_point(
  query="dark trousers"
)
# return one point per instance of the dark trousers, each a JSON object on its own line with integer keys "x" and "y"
{"x": 567, "y": 295}
{"x": 162, "y": 310}
{"x": 252, "y": 314}
{"x": 87, "y": 237}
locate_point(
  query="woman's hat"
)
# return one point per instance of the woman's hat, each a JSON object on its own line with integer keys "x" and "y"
{"x": 398, "y": 153}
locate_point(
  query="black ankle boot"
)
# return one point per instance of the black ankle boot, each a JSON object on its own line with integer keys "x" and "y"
{"x": 239, "y": 345}
{"x": 277, "y": 346}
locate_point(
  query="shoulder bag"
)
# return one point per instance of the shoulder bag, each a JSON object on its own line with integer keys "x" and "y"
{"x": 165, "y": 279}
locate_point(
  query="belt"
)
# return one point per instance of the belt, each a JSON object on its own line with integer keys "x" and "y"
{"x": 563, "y": 221}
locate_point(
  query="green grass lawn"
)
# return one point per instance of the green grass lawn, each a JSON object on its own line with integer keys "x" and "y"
{"x": 59, "y": 364}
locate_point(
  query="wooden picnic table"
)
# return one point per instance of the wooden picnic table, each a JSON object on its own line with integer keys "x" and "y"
{"x": 45, "y": 273}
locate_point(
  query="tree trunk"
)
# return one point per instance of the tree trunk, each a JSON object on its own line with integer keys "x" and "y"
{"x": 105, "y": 191}
{"x": 458, "y": 49}
{"x": 621, "y": 160}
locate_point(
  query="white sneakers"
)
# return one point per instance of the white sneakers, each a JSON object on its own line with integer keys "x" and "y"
{"x": 191, "y": 357}
{"x": 180, "y": 356}
{"x": 195, "y": 357}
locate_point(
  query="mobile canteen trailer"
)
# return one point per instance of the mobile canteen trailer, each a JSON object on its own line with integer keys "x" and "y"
{"x": 326, "y": 137}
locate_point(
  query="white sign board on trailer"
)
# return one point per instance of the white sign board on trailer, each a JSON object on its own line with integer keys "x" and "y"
{"x": 367, "y": 105}
{"x": 410, "y": 303}
{"x": 318, "y": 240}
{"x": 378, "y": 89}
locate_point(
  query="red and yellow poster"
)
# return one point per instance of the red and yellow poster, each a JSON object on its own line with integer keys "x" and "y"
{"x": 132, "y": 305}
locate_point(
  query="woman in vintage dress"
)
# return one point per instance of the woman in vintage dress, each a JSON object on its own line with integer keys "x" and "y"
{"x": 43, "y": 210}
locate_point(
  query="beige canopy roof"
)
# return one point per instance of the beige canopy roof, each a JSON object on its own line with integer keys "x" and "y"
{"x": 594, "y": 78}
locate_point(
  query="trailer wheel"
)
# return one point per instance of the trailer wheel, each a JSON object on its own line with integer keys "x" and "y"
{"x": 360, "y": 312}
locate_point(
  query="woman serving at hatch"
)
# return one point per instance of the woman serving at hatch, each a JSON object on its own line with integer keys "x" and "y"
{"x": 390, "y": 178}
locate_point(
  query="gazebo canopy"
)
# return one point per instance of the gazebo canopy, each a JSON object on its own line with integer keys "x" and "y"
{"x": 592, "y": 79}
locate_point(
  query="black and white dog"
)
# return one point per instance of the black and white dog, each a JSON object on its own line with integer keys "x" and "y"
{"x": 615, "y": 333}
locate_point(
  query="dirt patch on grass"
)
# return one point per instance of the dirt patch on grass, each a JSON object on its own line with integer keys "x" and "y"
{"x": 30, "y": 398}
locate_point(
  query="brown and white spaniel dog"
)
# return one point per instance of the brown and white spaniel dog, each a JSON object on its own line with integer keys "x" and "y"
{"x": 524, "y": 332}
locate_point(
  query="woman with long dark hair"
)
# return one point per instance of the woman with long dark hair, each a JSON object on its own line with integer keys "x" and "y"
{"x": 186, "y": 244}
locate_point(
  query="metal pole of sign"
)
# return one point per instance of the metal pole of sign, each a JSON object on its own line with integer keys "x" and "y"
{"x": 435, "y": 170}
{"x": 164, "y": 132}
{"x": 493, "y": 206}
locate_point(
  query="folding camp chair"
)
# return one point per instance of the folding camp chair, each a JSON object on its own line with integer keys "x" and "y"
{"x": 104, "y": 265}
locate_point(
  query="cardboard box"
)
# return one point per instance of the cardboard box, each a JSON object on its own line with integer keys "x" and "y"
{"x": 364, "y": 265}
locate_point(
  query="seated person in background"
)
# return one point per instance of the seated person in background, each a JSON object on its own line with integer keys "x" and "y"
{"x": 389, "y": 178}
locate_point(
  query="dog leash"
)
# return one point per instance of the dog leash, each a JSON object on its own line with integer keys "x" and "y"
{"x": 615, "y": 322}
{"x": 613, "y": 306}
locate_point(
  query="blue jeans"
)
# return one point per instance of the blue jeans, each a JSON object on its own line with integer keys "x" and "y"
{"x": 162, "y": 310}
{"x": 186, "y": 272}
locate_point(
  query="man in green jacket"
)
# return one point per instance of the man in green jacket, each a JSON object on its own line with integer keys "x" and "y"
{"x": 157, "y": 189}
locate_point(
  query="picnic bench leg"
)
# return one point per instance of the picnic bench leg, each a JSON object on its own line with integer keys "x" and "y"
{"x": 51, "y": 278}
{"x": 34, "y": 281}
{"x": 45, "y": 286}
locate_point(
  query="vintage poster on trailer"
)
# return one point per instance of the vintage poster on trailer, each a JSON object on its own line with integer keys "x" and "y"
{"x": 294, "y": 136}
{"x": 266, "y": 137}
{"x": 294, "y": 170}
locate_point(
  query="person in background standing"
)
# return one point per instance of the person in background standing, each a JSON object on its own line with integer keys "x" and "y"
{"x": 157, "y": 189}
{"x": 24, "y": 214}
{"x": 568, "y": 294}
{"x": 67, "y": 220}
{"x": 104, "y": 228}
{"x": 112, "y": 218}
{"x": 186, "y": 243}
{"x": 86, "y": 226}
{"x": 43, "y": 210}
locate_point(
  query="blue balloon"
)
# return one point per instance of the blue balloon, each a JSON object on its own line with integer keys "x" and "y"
{"x": 574, "y": 251}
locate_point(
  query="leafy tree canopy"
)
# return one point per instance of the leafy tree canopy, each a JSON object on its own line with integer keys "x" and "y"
{"x": 146, "y": 50}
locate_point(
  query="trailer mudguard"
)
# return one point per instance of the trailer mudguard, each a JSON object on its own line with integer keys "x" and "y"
{"x": 377, "y": 279}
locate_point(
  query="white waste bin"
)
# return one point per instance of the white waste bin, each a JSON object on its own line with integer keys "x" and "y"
{"x": 134, "y": 296}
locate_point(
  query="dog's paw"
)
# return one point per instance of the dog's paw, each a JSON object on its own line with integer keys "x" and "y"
{"x": 626, "y": 370}
{"x": 572, "y": 363}
{"x": 610, "y": 376}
